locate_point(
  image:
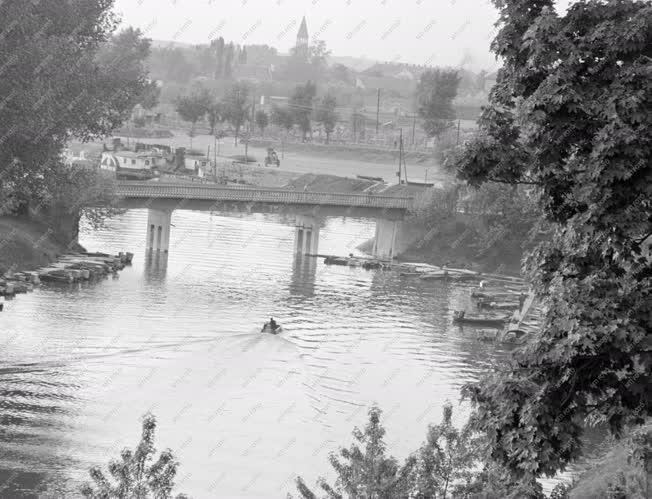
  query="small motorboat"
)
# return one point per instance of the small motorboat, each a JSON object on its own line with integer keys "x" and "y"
{"x": 268, "y": 329}
{"x": 479, "y": 320}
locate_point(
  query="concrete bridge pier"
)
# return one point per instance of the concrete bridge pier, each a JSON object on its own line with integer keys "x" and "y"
{"x": 385, "y": 238}
{"x": 158, "y": 230}
{"x": 306, "y": 238}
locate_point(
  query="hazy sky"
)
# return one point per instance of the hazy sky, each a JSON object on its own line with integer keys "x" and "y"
{"x": 435, "y": 32}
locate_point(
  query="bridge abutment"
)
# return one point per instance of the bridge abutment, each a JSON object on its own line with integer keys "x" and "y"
{"x": 385, "y": 238}
{"x": 158, "y": 230}
{"x": 306, "y": 237}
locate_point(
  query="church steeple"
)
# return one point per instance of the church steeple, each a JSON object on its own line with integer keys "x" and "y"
{"x": 302, "y": 35}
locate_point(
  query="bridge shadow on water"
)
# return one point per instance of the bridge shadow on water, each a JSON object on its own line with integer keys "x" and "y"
{"x": 304, "y": 275}
{"x": 156, "y": 266}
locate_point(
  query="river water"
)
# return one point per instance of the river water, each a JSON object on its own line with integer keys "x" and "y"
{"x": 178, "y": 336}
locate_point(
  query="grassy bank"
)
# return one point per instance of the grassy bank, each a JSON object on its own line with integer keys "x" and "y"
{"x": 27, "y": 244}
{"x": 613, "y": 472}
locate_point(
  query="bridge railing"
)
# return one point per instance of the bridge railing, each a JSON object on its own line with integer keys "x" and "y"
{"x": 261, "y": 195}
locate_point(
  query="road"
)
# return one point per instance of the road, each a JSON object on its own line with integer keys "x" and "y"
{"x": 302, "y": 162}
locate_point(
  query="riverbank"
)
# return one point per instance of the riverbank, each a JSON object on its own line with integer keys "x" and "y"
{"x": 452, "y": 244}
{"x": 27, "y": 244}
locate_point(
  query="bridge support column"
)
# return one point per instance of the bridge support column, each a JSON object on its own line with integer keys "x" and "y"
{"x": 158, "y": 230}
{"x": 385, "y": 239}
{"x": 306, "y": 238}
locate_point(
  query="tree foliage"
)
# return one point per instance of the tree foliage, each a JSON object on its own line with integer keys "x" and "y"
{"x": 62, "y": 75}
{"x": 570, "y": 114}
{"x": 283, "y": 117}
{"x": 194, "y": 107}
{"x": 262, "y": 120}
{"x": 446, "y": 465}
{"x": 150, "y": 96}
{"x": 301, "y": 104}
{"x": 136, "y": 475}
{"x": 215, "y": 113}
{"x": 365, "y": 470}
{"x": 236, "y": 106}
{"x": 307, "y": 63}
{"x": 326, "y": 115}
{"x": 434, "y": 99}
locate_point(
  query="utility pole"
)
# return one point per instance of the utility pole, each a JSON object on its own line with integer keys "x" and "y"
{"x": 400, "y": 155}
{"x": 414, "y": 125}
{"x": 253, "y": 112}
{"x": 377, "y": 112}
{"x": 458, "y": 133}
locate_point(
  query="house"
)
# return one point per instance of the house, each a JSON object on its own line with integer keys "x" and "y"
{"x": 197, "y": 164}
{"x": 129, "y": 160}
{"x": 147, "y": 116}
{"x": 254, "y": 74}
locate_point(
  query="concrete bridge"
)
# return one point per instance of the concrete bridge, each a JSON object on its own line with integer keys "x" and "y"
{"x": 308, "y": 208}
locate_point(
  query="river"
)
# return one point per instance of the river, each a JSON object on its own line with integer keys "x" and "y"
{"x": 178, "y": 336}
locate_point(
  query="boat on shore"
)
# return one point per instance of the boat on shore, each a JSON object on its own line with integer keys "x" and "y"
{"x": 437, "y": 275}
{"x": 479, "y": 320}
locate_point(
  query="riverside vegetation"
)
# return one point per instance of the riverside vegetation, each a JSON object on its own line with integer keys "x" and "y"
{"x": 71, "y": 77}
{"x": 567, "y": 127}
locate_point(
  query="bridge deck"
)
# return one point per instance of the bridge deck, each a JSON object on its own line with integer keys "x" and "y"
{"x": 159, "y": 190}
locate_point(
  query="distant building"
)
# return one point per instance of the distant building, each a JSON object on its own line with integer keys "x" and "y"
{"x": 197, "y": 164}
{"x": 254, "y": 74}
{"x": 129, "y": 160}
{"x": 302, "y": 35}
{"x": 145, "y": 115}
{"x": 405, "y": 75}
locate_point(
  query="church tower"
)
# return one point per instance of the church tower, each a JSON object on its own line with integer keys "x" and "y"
{"x": 302, "y": 35}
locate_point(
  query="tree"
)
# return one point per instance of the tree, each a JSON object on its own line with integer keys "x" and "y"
{"x": 262, "y": 120}
{"x": 62, "y": 75}
{"x": 365, "y": 470}
{"x": 570, "y": 114}
{"x": 283, "y": 117}
{"x": 434, "y": 96}
{"x": 216, "y": 113}
{"x": 218, "y": 48}
{"x": 261, "y": 55}
{"x": 236, "y": 106}
{"x": 193, "y": 107}
{"x": 229, "y": 56}
{"x": 340, "y": 72}
{"x": 171, "y": 64}
{"x": 151, "y": 94}
{"x": 301, "y": 105}
{"x": 326, "y": 115}
{"x": 135, "y": 475}
{"x": 445, "y": 461}
{"x": 445, "y": 466}
{"x": 307, "y": 63}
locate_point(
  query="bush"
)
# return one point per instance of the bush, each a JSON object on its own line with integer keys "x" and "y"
{"x": 135, "y": 475}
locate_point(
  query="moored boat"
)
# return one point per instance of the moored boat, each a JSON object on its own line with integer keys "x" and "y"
{"x": 436, "y": 275}
{"x": 479, "y": 320}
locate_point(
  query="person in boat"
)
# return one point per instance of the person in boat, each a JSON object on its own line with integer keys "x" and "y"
{"x": 272, "y": 325}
